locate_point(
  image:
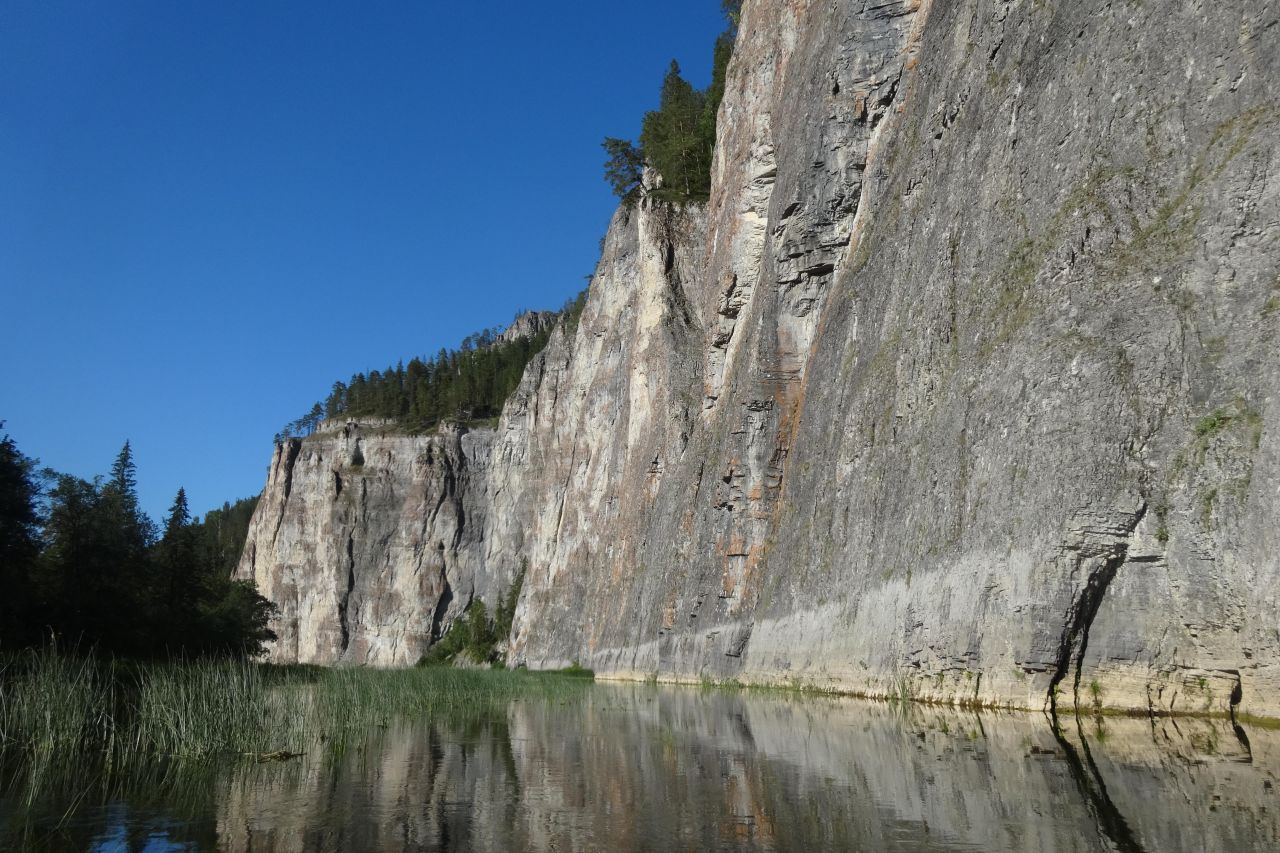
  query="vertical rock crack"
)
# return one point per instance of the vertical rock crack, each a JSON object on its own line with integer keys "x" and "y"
{"x": 1075, "y": 635}
{"x": 344, "y": 623}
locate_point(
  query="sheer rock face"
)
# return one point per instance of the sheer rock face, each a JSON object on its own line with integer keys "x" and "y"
{"x": 963, "y": 384}
{"x": 367, "y": 541}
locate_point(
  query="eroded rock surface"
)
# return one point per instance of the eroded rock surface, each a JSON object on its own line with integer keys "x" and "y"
{"x": 368, "y": 540}
{"x": 963, "y": 385}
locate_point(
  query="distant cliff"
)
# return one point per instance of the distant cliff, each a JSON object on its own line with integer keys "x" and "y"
{"x": 963, "y": 386}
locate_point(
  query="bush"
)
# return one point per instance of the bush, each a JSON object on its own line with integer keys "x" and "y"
{"x": 475, "y": 636}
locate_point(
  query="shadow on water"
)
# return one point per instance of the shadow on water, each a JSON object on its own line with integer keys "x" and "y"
{"x": 630, "y": 768}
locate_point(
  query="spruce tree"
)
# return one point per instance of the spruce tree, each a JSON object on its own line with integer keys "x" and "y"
{"x": 178, "y": 575}
{"x": 672, "y": 139}
{"x": 179, "y": 515}
{"x": 19, "y": 543}
{"x": 124, "y": 474}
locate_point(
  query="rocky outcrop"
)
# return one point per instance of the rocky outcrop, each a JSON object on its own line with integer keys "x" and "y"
{"x": 368, "y": 541}
{"x": 962, "y": 386}
{"x": 528, "y": 325}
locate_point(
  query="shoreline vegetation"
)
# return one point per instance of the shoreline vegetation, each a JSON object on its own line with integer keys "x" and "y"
{"x": 73, "y": 723}
{"x": 57, "y": 707}
{"x": 78, "y": 731}
{"x": 56, "y": 703}
{"x": 80, "y": 559}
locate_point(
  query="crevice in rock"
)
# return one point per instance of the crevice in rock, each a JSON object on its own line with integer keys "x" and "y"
{"x": 344, "y": 624}
{"x": 1237, "y": 694}
{"x": 292, "y": 448}
{"x": 442, "y": 608}
{"x": 1075, "y": 636}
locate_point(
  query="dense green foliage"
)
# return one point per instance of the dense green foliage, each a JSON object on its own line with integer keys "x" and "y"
{"x": 222, "y": 534}
{"x": 475, "y": 636}
{"x": 466, "y": 385}
{"x": 19, "y": 540}
{"x": 85, "y": 566}
{"x": 678, "y": 139}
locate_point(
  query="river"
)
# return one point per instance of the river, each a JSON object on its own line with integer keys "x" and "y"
{"x": 642, "y": 767}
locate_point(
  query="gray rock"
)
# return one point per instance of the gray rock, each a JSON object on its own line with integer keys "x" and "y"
{"x": 368, "y": 541}
{"x": 962, "y": 386}
{"x": 528, "y": 325}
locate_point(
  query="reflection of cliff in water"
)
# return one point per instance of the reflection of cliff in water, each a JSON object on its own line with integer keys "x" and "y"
{"x": 655, "y": 769}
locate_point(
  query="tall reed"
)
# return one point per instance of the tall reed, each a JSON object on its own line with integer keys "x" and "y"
{"x": 54, "y": 704}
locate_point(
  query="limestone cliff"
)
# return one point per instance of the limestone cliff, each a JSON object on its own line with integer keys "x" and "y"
{"x": 962, "y": 386}
{"x": 367, "y": 540}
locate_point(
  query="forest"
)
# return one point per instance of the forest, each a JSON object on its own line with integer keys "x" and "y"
{"x": 467, "y": 385}
{"x": 84, "y": 568}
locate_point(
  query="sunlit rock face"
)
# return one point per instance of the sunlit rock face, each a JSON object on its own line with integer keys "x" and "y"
{"x": 367, "y": 540}
{"x": 963, "y": 385}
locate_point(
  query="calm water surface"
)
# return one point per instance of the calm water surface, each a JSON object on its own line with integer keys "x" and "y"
{"x": 631, "y": 768}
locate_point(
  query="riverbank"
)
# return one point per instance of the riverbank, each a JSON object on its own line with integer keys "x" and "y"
{"x": 65, "y": 720}
{"x": 644, "y": 767}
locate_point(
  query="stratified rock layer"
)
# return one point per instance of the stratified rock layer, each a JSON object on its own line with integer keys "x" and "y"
{"x": 962, "y": 386}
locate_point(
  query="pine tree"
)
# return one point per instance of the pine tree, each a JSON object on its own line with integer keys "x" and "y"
{"x": 678, "y": 139}
{"x": 19, "y": 543}
{"x": 178, "y": 572}
{"x": 124, "y": 474}
{"x": 624, "y": 167}
{"x": 179, "y": 515}
{"x": 314, "y": 417}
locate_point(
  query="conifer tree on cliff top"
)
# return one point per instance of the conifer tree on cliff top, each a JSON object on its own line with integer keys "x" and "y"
{"x": 674, "y": 141}
{"x": 678, "y": 139}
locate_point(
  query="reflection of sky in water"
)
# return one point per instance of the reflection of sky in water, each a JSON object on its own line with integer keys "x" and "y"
{"x": 649, "y": 768}
{"x": 127, "y": 833}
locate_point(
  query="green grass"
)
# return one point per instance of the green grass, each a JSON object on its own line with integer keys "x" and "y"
{"x": 1213, "y": 423}
{"x": 64, "y": 718}
{"x": 78, "y": 732}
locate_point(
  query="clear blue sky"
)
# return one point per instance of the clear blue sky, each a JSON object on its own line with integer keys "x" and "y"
{"x": 210, "y": 211}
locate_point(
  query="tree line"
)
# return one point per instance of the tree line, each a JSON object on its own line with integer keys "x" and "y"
{"x": 465, "y": 385}
{"x": 81, "y": 564}
{"x": 678, "y": 139}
